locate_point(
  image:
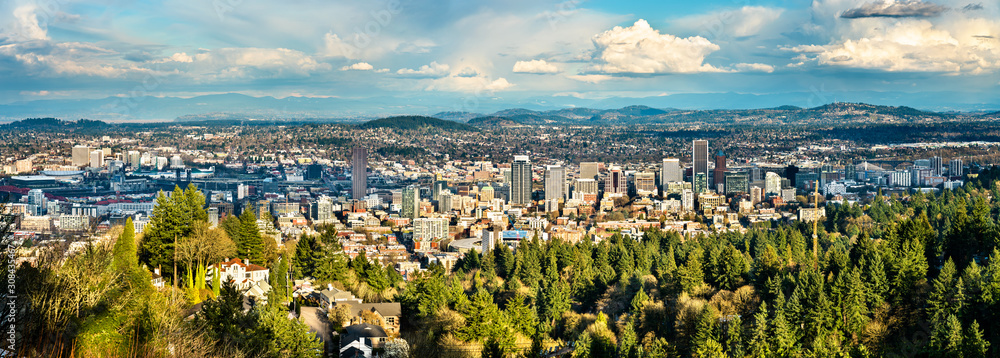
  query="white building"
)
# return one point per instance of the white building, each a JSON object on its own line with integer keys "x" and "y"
{"x": 241, "y": 272}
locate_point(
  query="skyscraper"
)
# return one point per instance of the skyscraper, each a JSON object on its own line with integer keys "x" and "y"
{"x": 700, "y": 184}
{"x": 97, "y": 158}
{"x": 411, "y": 202}
{"x": 956, "y": 168}
{"x": 555, "y": 182}
{"x": 359, "y": 173}
{"x": 520, "y": 177}
{"x": 772, "y": 184}
{"x": 719, "y": 175}
{"x": 699, "y": 160}
{"x": 936, "y": 165}
{"x": 615, "y": 183}
{"x": 81, "y": 155}
{"x": 589, "y": 170}
{"x": 645, "y": 183}
{"x": 671, "y": 172}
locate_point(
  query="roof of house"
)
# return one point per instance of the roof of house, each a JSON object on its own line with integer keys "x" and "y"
{"x": 385, "y": 309}
{"x": 239, "y": 262}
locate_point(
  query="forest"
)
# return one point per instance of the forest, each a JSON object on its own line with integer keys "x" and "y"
{"x": 915, "y": 276}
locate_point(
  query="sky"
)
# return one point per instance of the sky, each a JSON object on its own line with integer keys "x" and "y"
{"x": 410, "y": 50}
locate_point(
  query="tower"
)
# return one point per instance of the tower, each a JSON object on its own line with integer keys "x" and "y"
{"x": 699, "y": 160}
{"x": 719, "y": 175}
{"x": 555, "y": 182}
{"x": 411, "y": 202}
{"x": 359, "y": 173}
{"x": 520, "y": 186}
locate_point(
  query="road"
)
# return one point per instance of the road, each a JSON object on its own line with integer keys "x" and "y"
{"x": 315, "y": 318}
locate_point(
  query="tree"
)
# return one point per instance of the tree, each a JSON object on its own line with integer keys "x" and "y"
{"x": 125, "y": 252}
{"x": 975, "y": 345}
{"x": 759, "y": 341}
{"x": 249, "y": 243}
{"x": 704, "y": 330}
{"x": 397, "y": 348}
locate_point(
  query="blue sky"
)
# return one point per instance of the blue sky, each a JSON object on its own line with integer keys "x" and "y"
{"x": 520, "y": 49}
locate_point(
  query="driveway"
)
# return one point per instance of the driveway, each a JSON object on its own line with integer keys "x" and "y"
{"x": 315, "y": 318}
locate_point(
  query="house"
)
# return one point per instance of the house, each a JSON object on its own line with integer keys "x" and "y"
{"x": 385, "y": 315}
{"x": 332, "y": 296}
{"x": 157, "y": 279}
{"x": 359, "y": 340}
{"x": 241, "y": 272}
{"x": 258, "y": 291}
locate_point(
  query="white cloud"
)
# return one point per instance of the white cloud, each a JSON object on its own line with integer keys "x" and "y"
{"x": 433, "y": 70}
{"x": 499, "y": 84}
{"x": 893, "y": 8}
{"x": 177, "y": 57}
{"x": 535, "y": 66}
{"x": 742, "y": 22}
{"x": 915, "y": 46}
{"x": 595, "y": 79}
{"x": 360, "y": 66}
{"x": 257, "y": 63}
{"x": 27, "y": 25}
{"x": 753, "y": 67}
{"x": 640, "y": 49}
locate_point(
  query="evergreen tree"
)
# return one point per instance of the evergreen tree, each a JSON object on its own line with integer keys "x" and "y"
{"x": 760, "y": 345}
{"x": 704, "y": 330}
{"x": 249, "y": 243}
{"x": 125, "y": 251}
{"x": 975, "y": 345}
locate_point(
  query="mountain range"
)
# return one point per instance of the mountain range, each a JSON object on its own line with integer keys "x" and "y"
{"x": 456, "y": 107}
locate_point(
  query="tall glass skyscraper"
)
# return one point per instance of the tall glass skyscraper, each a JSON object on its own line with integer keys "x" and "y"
{"x": 520, "y": 180}
{"x": 359, "y": 174}
{"x": 699, "y": 160}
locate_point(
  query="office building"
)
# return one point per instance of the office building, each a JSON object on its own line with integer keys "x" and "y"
{"x": 937, "y": 166}
{"x": 615, "y": 183}
{"x": 736, "y": 183}
{"x": 699, "y": 163}
{"x": 555, "y": 182}
{"x": 772, "y": 184}
{"x": 585, "y": 189}
{"x": 439, "y": 186}
{"x": 956, "y": 168}
{"x": 700, "y": 183}
{"x": 590, "y": 170}
{"x": 411, "y": 202}
{"x": 671, "y": 171}
{"x": 645, "y": 183}
{"x": 719, "y": 173}
{"x": 97, "y": 158}
{"x": 487, "y": 193}
{"x": 81, "y": 155}
{"x": 520, "y": 176}
{"x": 359, "y": 173}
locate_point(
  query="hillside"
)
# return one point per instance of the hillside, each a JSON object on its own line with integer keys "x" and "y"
{"x": 415, "y": 122}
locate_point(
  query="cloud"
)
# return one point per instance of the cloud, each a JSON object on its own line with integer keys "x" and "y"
{"x": 753, "y": 67}
{"x": 27, "y": 24}
{"x": 535, "y": 66}
{"x": 468, "y": 72}
{"x": 973, "y": 7}
{"x": 177, "y": 57}
{"x": 334, "y": 46}
{"x": 893, "y": 8}
{"x": 433, "y": 70}
{"x": 914, "y": 46}
{"x": 595, "y": 79}
{"x": 639, "y": 49}
{"x": 360, "y": 66}
{"x": 742, "y": 22}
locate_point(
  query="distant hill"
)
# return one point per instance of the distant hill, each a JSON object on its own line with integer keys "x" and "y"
{"x": 457, "y": 116}
{"x": 54, "y": 122}
{"x": 415, "y": 122}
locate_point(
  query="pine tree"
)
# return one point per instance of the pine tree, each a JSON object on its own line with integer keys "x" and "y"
{"x": 975, "y": 345}
{"x": 854, "y": 307}
{"x": 125, "y": 251}
{"x": 704, "y": 330}
{"x": 759, "y": 341}
{"x": 249, "y": 243}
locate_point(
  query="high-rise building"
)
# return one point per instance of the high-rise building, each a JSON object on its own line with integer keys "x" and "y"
{"x": 936, "y": 166}
{"x": 585, "y": 189}
{"x": 671, "y": 172}
{"x": 736, "y": 183}
{"x": 687, "y": 199}
{"x": 314, "y": 172}
{"x": 645, "y": 183}
{"x": 772, "y": 184}
{"x": 700, "y": 184}
{"x": 134, "y": 159}
{"x": 81, "y": 155}
{"x": 359, "y": 173}
{"x": 520, "y": 177}
{"x": 487, "y": 193}
{"x": 615, "y": 183}
{"x": 97, "y": 158}
{"x": 956, "y": 168}
{"x": 430, "y": 228}
{"x": 699, "y": 161}
{"x": 411, "y": 202}
{"x": 756, "y": 195}
{"x": 439, "y": 186}
{"x": 590, "y": 170}
{"x": 756, "y": 174}
{"x": 791, "y": 172}
{"x": 719, "y": 175}
{"x": 555, "y": 182}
